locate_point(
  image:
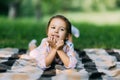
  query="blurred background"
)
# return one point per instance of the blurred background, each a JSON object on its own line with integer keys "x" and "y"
{"x": 24, "y": 20}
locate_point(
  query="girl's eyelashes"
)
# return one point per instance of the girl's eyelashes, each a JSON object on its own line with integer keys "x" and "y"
{"x": 52, "y": 27}
{"x": 62, "y": 29}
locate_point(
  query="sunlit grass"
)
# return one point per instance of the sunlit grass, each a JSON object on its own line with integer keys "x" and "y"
{"x": 99, "y": 18}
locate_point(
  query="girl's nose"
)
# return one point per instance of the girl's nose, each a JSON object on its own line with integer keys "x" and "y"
{"x": 56, "y": 30}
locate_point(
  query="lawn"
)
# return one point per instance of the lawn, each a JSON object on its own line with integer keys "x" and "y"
{"x": 18, "y": 33}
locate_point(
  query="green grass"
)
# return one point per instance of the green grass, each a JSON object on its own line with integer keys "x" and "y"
{"x": 18, "y": 33}
{"x": 94, "y": 36}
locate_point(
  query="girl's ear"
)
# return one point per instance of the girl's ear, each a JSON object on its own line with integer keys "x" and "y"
{"x": 69, "y": 37}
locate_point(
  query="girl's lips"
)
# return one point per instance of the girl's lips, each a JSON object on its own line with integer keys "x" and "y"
{"x": 55, "y": 36}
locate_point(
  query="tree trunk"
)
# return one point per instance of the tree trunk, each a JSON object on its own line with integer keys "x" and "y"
{"x": 12, "y": 11}
{"x": 14, "y": 8}
{"x": 38, "y": 13}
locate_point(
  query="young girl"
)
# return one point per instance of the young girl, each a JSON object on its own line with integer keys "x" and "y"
{"x": 56, "y": 48}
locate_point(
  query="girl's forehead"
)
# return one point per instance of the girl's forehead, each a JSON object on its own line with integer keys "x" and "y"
{"x": 58, "y": 21}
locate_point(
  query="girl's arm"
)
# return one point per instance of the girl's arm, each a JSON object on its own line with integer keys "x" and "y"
{"x": 42, "y": 55}
{"x": 68, "y": 58}
{"x": 50, "y": 57}
{"x": 64, "y": 58}
{"x": 52, "y": 53}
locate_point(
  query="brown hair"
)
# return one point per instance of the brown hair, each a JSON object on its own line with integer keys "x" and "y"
{"x": 68, "y": 24}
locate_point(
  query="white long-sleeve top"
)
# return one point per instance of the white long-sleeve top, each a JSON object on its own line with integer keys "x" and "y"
{"x": 43, "y": 50}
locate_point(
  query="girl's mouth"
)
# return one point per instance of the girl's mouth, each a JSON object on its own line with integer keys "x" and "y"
{"x": 55, "y": 36}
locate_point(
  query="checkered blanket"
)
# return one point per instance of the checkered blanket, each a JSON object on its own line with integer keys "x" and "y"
{"x": 12, "y": 67}
{"x": 99, "y": 64}
{"x": 93, "y": 64}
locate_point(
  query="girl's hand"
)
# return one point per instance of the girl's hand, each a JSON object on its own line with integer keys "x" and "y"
{"x": 55, "y": 43}
{"x": 59, "y": 44}
{"x": 52, "y": 42}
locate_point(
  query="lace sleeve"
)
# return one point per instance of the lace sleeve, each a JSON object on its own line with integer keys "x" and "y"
{"x": 39, "y": 54}
{"x": 72, "y": 55}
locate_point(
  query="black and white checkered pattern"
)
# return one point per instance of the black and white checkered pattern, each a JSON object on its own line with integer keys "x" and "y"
{"x": 93, "y": 64}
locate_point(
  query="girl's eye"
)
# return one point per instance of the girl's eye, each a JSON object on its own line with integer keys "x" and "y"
{"x": 53, "y": 27}
{"x": 62, "y": 29}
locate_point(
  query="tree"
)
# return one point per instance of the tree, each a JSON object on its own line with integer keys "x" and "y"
{"x": 4, "y": 7}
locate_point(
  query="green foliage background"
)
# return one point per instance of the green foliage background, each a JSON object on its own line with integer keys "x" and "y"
{"x": 18, "y": 33}
{"x": 27, "y": 23}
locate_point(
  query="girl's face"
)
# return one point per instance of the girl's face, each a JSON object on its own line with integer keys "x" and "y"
{"x": 57, "y": 29}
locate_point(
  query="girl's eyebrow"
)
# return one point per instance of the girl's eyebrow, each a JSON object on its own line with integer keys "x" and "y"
{"x": 63, "y": 27}
{"x": 52, "y": 25}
